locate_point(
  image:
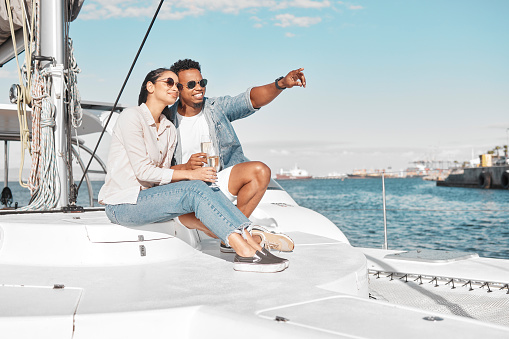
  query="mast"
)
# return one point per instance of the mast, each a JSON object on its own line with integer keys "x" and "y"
{"x": 52, "y": 42}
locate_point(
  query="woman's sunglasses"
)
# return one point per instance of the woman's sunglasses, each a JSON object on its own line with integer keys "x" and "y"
{"x": 192, "y": 84}
{"x": 170, "y": 82}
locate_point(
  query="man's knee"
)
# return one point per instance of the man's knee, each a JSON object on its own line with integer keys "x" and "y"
{"x": 261, "y": 171}
{"x": 254, "y": 173}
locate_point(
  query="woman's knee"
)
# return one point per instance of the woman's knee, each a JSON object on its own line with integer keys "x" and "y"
{"x": 198, "y": 188}
{"x": 197, "y": 185}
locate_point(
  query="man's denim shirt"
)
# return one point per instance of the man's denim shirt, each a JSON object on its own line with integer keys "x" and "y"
{"x": 219, "y": 113}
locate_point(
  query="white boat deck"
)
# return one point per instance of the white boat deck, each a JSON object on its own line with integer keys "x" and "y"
{"x": 443, "y": 282}
{"x": 112, "y": 291}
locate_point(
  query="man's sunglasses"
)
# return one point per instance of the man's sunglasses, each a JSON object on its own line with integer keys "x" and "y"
{"x": 192, "y": 84}
{"x": 170, "y": 82}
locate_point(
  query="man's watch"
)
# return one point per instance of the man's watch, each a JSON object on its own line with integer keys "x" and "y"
{"x": 277, "y": 85}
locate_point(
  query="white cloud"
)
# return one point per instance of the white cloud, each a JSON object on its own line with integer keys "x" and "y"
{"x": 114, "y": 9}
{"x": 351, "y": 6}
{"x": 311, "y": 4}
{"x": 287, "y": 20}
{"x": 106, "y": 9}
{"x": 302, "y": 4}
{"x": 289, "y": 35}
{"x": 259, "y": 22}
{"x": 178, "y": 9}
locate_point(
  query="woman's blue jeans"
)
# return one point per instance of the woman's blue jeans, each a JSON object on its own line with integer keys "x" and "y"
{"x": 165, "y": 202}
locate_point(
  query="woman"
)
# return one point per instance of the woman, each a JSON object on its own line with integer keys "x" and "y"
{"x": 141, "y": 188}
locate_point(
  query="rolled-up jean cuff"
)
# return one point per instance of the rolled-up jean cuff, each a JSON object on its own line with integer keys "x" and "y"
{"x": 248, "y": 225}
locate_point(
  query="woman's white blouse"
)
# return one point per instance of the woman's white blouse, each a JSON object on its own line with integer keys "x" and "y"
{"x": 140, "y": 156}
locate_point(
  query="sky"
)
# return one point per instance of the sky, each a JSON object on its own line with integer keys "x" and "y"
{"x": 388, "y": 82}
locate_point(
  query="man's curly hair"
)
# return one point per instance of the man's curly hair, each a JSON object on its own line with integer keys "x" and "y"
{"x": 183, "y": 65}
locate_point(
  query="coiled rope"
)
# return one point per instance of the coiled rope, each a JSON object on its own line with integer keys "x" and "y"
{"x": 46, "y": 193}
{"x": 23, "y": 89}
{"x": 37, "y": 95}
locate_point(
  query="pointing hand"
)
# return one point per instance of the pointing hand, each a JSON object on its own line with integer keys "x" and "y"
{"x": 294, "y": 78}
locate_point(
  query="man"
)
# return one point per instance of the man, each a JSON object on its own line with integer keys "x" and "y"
{"x": 244, "y": 182}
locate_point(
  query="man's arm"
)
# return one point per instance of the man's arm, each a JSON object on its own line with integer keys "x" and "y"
{"x": 262, "y": 95}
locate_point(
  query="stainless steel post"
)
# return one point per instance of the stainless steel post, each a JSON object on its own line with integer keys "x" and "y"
{"x": 53, "y": 45}
{"x": 385, "y": 213}
{"x": 6, "y": 163}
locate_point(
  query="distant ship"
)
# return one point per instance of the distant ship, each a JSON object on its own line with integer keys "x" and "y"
{"x": 293, "y": 174}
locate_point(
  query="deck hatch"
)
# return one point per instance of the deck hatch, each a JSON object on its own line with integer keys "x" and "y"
{"x": 434, "y": 256}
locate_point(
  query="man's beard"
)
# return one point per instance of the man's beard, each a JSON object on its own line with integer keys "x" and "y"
{"x": 198, "y": 105}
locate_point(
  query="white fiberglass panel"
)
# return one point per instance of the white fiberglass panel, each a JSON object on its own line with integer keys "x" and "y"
{"x": 37, "y": 311}
{"x": 361, "y": 318}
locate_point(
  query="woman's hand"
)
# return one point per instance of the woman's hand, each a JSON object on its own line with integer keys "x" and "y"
{"x": 207, "y": 174}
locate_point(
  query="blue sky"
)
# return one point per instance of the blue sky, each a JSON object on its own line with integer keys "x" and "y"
{"x": 389, "y": 82}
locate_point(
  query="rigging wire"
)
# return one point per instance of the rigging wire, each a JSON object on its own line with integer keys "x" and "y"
{"x": 120, "y": 93}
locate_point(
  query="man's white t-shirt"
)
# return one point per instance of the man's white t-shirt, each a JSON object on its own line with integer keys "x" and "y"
{"x": 191, "y": 131}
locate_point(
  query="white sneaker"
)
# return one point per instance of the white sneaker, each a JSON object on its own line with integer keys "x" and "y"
{"x": 273, "y": 240}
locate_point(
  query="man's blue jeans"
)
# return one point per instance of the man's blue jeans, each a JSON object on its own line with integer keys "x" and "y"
{"x": 165, "y": 202}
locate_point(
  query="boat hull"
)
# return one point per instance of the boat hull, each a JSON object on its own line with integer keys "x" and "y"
{"x": 496, "y": 177}
{"x": 292, "y": 177}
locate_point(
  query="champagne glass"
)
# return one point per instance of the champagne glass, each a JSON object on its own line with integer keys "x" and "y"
{"x": 213, "y": 161}
{"x": 206, "y": 144}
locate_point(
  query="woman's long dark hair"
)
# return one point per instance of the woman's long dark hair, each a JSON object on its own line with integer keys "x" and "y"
{"x": 152, "y": 77}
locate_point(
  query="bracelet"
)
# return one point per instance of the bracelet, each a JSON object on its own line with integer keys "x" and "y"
{"x": 277, "y": 85}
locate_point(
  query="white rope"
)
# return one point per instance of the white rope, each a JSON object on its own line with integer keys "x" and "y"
{"x": 47, "y": 192}
{"x": 37, "y": 95}
{"x": 24, "y": 97}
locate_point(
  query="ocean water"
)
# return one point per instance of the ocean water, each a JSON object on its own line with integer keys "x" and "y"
{"x": 419, "y": 214}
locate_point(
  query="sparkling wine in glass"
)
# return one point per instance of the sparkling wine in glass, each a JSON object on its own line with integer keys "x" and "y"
{"x": 206, "y": 144}
{"x": 213, "y": 161}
